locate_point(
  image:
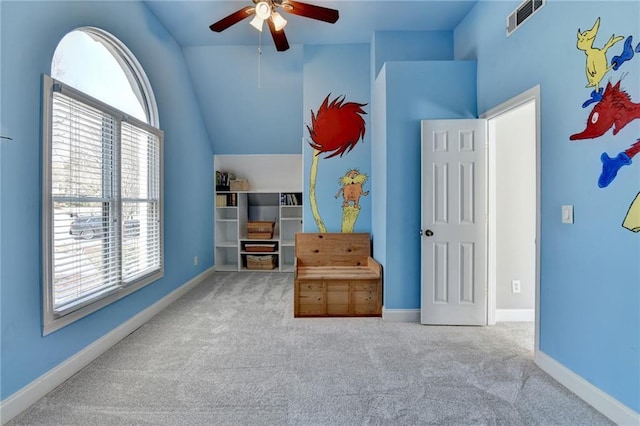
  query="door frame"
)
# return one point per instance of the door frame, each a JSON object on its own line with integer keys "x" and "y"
{"x": 527, "y": 96}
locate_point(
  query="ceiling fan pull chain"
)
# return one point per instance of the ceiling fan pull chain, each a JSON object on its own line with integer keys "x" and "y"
{"x": 259, "y": 59}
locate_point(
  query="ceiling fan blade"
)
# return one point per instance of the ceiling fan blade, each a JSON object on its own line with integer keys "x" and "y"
{"x": 234, "y": 18}
{"x": 279, "y": 38}
{"x": 310, "y": 11}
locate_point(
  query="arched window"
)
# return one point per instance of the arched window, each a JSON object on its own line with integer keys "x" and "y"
{"x": 102, "y": 178}
{"x": 95, "y": 62}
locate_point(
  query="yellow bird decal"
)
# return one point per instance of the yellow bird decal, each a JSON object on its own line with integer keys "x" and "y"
{"x": 597, "y": 64}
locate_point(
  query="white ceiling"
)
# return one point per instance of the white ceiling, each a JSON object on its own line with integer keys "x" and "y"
{"x": 188, "y": 20}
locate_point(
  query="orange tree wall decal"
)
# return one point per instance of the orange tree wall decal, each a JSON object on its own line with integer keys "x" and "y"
{"x": 335, "y": 130}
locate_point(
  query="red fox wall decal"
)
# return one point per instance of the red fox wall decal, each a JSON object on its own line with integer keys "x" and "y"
{"x": 615, "y": 110}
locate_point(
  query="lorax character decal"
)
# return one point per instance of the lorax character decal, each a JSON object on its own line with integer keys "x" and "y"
{"x": 352, "y": 190}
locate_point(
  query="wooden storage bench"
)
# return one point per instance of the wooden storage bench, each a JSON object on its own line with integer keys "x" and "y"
{"x": 335, "y": 275}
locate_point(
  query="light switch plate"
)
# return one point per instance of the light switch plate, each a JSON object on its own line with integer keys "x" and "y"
{"x": 567, "y": 214}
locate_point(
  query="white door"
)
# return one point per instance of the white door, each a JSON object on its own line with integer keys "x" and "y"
{"x": 453, "y": 231}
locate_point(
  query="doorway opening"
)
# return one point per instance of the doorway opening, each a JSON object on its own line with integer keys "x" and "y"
{"x": 513, "y": 192}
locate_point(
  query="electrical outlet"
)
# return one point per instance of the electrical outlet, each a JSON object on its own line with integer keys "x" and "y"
{"x": 195, "y": 261}
{"x": 515, "y": 286}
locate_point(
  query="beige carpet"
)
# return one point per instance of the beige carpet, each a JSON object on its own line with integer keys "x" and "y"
{"x": 231, "y": 353}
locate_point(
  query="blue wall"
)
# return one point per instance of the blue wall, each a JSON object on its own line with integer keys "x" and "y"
{"x": 336, "y": 70}
{"x": 390, "y": 46}
{"x": 414, "y": 91}
{"x": 379, "y": 168}
{"x": 30, "y": 33}
{"x": 590, "y": 277}
{"x": 253, "y": 102}
{"x": 396, "y": 46}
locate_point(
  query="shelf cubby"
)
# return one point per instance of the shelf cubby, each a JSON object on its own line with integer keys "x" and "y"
{"x": 274, "y": 194}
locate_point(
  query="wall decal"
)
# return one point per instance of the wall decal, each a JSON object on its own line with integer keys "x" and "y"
{"x": 610, "y": 166}
{"x": 613, "y": 109}
{"x": 352, "y": 189}
{"x": 632, "y": 219}
{"x": 626, "y": 55}
{"x": 597, "y": 64}
{"x": 335, "y": 129}
{"x": 595, "y": 97}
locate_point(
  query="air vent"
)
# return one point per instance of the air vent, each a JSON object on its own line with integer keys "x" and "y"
{"x": 525, "y": 11}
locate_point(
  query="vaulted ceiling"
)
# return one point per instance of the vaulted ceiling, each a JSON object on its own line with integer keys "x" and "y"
{"x": 188, "y": 20}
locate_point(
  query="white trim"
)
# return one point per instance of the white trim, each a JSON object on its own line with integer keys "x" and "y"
{"x": 492, "y": 268}
{"x": 52, "y": 320}
{"x": 519, "y": 100}
{"x": 601, "y": 401}
{"x": 401, "y": 315}
{"x": 28, "y": 395}
{"x": 517, "y": 315}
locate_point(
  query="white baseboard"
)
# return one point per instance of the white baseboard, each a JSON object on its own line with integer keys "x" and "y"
{"x": 31, "y": 393}
{"x": 401, "y": 315}
{"x": 515, "y": 315}
{"x": 601, "y": 401}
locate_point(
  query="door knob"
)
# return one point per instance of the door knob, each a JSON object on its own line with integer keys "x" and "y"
{"x": 428, "y": 233}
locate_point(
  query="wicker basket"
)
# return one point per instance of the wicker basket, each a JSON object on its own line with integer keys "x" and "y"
{"x": 262, "y": 247}
{"x": 263, "y": 262}
{"x": 239, "y": 185}
{"x": 259, "y": 230}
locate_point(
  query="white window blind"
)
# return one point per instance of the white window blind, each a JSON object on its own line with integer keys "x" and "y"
{"x": 140, "y": 201}
{"x": 102, "y": 203}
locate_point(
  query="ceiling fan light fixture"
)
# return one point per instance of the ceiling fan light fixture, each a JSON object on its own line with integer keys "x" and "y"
{"x": 263, "y": 10}
{"x": 278, "y": 21}
{"x": 257, "y": 22}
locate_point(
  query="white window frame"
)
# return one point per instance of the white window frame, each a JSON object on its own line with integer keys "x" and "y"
{"x": 51, "y": 320}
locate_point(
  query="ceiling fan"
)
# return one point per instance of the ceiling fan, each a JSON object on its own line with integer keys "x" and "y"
{"x": 266, "y": 10}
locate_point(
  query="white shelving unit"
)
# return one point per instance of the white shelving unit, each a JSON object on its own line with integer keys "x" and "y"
{"x": 273, "y": 179}
{"x": 290, "y": 223}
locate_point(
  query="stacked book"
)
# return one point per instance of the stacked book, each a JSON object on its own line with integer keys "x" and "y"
{"x": 291, "y": 199}
{"x": 226, "y": 200}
